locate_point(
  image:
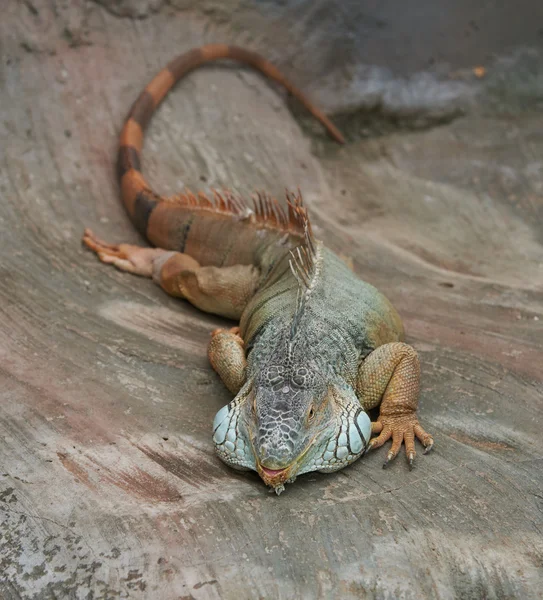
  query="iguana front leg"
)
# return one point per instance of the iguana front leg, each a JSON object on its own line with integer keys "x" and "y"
{"x": 226, "y": 353}
{"x": 392, "y": 373}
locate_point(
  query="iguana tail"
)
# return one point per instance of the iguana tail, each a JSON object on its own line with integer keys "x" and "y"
{"x": 189, "y": 223}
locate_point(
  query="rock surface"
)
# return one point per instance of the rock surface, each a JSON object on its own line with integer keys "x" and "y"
{"x": 108, "y": 482}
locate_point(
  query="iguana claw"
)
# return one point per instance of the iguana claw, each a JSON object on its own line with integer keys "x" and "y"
{"x": 402, "y": 430}
{"x": 390, "y": 456}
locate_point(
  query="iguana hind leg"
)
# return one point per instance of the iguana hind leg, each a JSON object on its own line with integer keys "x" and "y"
{"x": 223, "y": 291}
{"x": 126, "y": 257}
{"x": 392, "y": 373}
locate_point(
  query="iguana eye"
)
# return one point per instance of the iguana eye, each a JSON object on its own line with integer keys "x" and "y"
{"x": 311, "y": 414}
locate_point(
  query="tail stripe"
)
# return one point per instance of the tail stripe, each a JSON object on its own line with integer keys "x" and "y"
{"x": 160, "y": 85}
{"x": 185, "y": 63}
{"x": 144, "y": 205}
{"x": 142, "y": 109}
{"x": 132, "y": 135}
{"x": 132, "y": 184}
{"x": 129, "y": 158}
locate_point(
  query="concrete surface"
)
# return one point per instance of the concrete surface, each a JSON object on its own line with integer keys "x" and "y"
{"x": 109, "y": 487}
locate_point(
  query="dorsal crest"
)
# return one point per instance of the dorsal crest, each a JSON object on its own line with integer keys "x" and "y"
{"x": 304, "y": 261}
{"x": 262, "y": 210}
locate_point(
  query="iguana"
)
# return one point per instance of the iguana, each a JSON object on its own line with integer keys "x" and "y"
{"x": 316, "y": 347}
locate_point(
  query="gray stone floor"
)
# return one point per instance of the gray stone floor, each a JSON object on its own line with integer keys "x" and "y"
{"x": 108, "y": 482}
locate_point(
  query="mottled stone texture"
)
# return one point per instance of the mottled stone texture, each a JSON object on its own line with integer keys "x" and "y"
{"x": 108, "y": 483}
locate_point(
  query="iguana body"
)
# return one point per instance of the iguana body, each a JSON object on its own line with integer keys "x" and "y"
{"x": 316, "y": 346}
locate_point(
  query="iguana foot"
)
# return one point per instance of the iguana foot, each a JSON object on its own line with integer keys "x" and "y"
{"x": 126, "y": 257}
{"x": 401, "y": 428}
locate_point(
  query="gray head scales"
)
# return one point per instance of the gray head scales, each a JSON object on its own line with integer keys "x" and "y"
{"x": 288, "y": 421}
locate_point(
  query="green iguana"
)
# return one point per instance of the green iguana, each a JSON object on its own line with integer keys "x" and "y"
{"x": 316, "y": 346}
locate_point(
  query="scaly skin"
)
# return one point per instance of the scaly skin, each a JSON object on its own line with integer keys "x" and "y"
{"x": 316, "y": 346}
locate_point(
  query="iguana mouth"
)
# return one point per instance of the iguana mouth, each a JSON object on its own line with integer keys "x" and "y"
{"x": 272, "y": 472}
{"x": 277, "y": 477}
{"x": 274, "y": 477}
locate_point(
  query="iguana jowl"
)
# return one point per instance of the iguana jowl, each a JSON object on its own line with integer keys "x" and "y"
{"x": 316, "y": 346}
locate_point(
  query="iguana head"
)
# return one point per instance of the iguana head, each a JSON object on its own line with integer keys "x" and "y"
{"x": 290, "y": 421}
